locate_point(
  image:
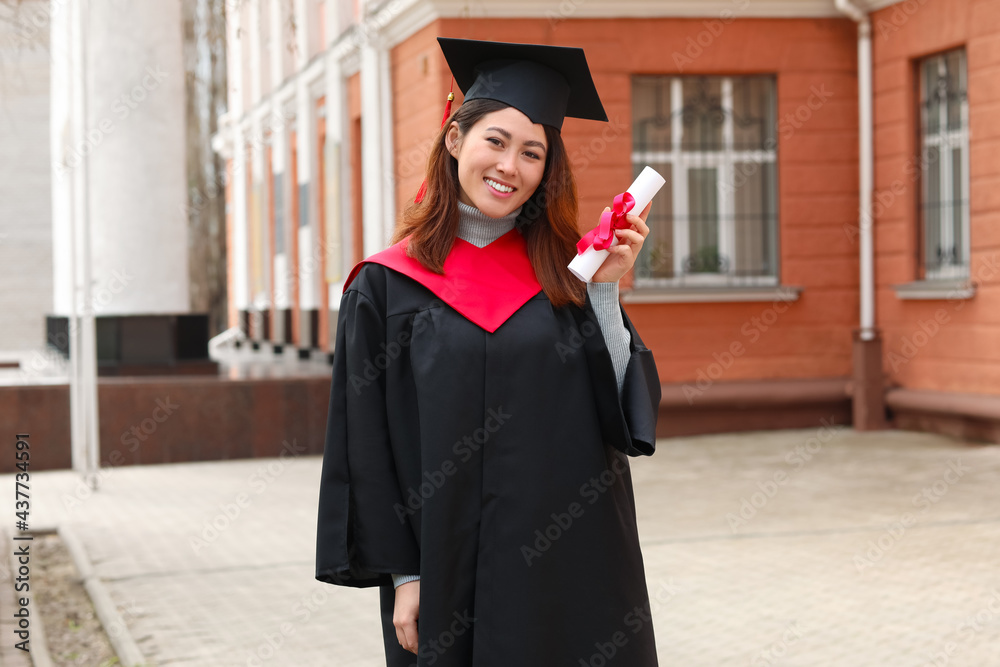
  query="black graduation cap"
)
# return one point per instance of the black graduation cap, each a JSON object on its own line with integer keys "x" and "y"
{"x": 545, "y": 83}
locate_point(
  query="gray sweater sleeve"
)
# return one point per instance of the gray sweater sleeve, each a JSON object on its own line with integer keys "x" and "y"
{"x": 400, "y": 579}
{"x": 604, "y": 299}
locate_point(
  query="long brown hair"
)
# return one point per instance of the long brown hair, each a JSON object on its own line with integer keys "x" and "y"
{"x": 548, "y": 220}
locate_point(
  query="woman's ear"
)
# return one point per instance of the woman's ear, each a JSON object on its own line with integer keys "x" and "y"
{"x": 452, "y": 139}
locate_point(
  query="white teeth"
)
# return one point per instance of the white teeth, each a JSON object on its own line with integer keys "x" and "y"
{"x": 497, "y": 186}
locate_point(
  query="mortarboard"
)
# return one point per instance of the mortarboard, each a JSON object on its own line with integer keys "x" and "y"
{"x": 545, "y": 83}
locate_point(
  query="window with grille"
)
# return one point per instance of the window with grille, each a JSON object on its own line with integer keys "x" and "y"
{"x": 944, "y": 197}
{"x": 713, "y": 138}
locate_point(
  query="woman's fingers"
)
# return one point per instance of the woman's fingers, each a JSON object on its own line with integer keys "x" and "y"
{"x": 630, "y": 237}
{"x": 405, "y": 614}
{"x": 639, "y": 223}
{"x": 409, "y": 642}
{"x": 645, "y": 211}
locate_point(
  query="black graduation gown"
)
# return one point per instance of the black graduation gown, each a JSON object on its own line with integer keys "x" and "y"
{"x": 495, "y": 466}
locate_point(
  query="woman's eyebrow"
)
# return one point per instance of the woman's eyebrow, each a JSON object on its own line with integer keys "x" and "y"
{"x": 507, "y": 136}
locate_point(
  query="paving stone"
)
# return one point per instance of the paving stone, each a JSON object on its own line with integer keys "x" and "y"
{"x": 212, "y": 563}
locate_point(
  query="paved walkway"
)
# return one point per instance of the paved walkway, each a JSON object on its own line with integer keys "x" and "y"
{"x": 777, "y": 548}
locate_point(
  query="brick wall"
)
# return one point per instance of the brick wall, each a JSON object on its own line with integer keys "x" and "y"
{"x": 817, "y": 171}
{"x": 944, "y": 345}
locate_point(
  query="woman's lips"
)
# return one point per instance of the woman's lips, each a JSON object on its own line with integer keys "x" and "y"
{"x": 498, "y": 193}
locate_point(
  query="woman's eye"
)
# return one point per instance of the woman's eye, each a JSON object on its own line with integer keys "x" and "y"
{"x": 495, "y": 141}
{"x": 533, "y": 156}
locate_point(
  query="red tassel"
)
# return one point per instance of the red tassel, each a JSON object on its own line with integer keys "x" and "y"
{"x": 447, "y": 114}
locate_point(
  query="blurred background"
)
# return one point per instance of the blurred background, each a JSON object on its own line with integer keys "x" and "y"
{"x": 182, "y": 172}
{"x": 185, "y": 184}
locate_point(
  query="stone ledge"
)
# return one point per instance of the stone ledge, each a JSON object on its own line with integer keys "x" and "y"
{"x": 750, "y": 393}
{"x": 753, "y": 405}
{"x": 930, "y": 290}
{"x": 965, "y": 416}
{"x": 978, "y": 406}
{"x": 783, "y": 293}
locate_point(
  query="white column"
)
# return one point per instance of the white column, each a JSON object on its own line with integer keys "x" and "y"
{"x": 372, "y": 198}
{"x": 137, "y": 183}
{"x": 261, "y": 297}
{"x": 301, "y": 34}
{"x": 61, "y": 147}
{"x": 338, "y": 235}
{"x": 241, "y": 221}
{"x": 239, "y": 253}
{"x": 253, "y": 34}
{"x": 388, "y": 181}
{"x": 279, "y": 148}
{"x": 334, "y": 9}
{"x": 306, "y": 143}
{"x": 277, "y": 41}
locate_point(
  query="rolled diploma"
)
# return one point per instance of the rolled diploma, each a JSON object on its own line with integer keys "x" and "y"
{"x": 645, "y": 186}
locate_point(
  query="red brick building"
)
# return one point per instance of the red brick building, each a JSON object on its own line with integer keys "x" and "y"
{"x": 758, "y": 291}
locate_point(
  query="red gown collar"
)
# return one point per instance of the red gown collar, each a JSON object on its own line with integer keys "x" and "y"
{"x": 486, "y": 285}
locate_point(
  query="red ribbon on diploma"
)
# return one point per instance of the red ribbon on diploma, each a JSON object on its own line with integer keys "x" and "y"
{"x": 601, "y": 235}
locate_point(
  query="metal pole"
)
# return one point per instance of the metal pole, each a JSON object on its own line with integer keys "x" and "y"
{"x": 86, "y": 430}
{"x": 70, "y": 27}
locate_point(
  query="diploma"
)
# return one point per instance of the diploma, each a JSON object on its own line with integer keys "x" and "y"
{"x": 591, "y": 251}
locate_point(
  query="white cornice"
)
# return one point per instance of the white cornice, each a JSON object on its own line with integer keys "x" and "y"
{"x": 875, "y": 5}
{"x": 393, "y": 21}
{"x": 569, "y": 9}
{"x": 398, "y": 19}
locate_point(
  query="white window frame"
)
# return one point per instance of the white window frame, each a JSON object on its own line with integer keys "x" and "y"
{"x": 944, "y": 142}
{"x": 724, "y": 161}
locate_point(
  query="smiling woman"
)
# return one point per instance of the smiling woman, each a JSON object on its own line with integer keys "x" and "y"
{"x": 481, "y": 477}
{"x": 505, "y": 152}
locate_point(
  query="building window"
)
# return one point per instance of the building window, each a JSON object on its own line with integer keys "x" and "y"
{"x": 944, "y": 145}
{"x": 713, "y": 139}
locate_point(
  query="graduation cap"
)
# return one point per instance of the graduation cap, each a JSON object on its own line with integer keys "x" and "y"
{"x": 545, "y": 83}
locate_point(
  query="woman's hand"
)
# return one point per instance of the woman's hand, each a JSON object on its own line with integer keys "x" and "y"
{"x": 405, "y": 614}
{"x": 623, "y": 255}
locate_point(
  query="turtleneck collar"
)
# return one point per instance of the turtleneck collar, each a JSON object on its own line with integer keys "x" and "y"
{"x": 479, "y": 229}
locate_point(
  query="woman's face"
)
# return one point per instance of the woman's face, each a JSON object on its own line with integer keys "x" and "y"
{"x": 500, "y": 161}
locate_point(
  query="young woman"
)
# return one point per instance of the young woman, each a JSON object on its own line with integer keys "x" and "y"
{"x": 485, "y": 401}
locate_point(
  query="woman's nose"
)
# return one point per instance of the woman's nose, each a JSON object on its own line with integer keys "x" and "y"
{"x": 507, "y": 163}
